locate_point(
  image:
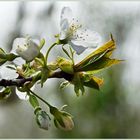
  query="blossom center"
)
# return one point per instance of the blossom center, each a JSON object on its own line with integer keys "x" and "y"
{"x": 74, "y": 26}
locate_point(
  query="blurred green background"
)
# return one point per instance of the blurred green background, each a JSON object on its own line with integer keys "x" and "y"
{"x": 114, "y": 111}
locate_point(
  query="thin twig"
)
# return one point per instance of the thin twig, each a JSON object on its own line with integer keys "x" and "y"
{"x": 20, "y": 81}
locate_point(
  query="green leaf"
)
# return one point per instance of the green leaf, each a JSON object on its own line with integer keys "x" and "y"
{"x": 2, "y": 61}
{"x": 44, "y": 75}
{"x": 94, "y": 82}
{"x": 56, "y": 123}
{"x": 78, "y": 84}
{"x": 6, "y": 57}
{"x": 33, "y": 101}
{"x": 106, "y": 49}
{"x": 99, "y": 59}
{"x": 2, "y": 51}
{"x": 2, "y": 57}
{"x": 27, "y": 70}
{"x": 11, "y": 56}
{"x": 101, "y": 64}
{"x": 4, "y": 94}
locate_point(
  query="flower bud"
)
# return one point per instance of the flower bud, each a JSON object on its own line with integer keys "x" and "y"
{"x": 26, "y": 48}
{"x": 65, "y": 65}
{"x": 91, "y": 81}
{"x": 53, "y": 66}
{"x": 67, "y": 123}
{"x": 43, "y": 119}
{"x": 62, "y": 119}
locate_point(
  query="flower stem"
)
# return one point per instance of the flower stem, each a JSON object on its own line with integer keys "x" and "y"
{"x": 72, "y": 55}
{"x": 40, "y": 98}
{"x": 50, "y": 50}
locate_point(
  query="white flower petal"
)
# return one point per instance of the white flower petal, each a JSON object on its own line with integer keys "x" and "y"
{"x": 7, "y": 73}
{"x": 68, "y": 24}
{"x": 18, "y": 61}
{"x": 64, "y": 25}
{"x": 18, "y": 42}
{"x": 79, "y": 38}
{"x": 1, "y": 88}
{"x": 66, "y": 13}
{"x": 22, "y": 95}
{"x": 78, "y": 48}
{"x": 63, "y": 35}
{"x": 64, "y": 29}
{"x": 26, "y": 48}
{"x": 86, "y": 38}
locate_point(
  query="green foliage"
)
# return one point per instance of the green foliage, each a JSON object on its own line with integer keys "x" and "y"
{"x": 4, "y": 57}
{"x": 78, "y": 84}
{"x": 100, "y": 64}
{"x": 65, "y": 65}
{"x": 98, "y": 59}
{"x": 5, "y": 93}
{"x": 38, "y": 70}
{"x": 62, "y": 119}
{"x": 94, "y": 82}
{"x": 44, "y": 75}
{"x": 33, "y": 101}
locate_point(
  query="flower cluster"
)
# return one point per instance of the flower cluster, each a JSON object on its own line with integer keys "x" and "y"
{"x": 35, "y": 68}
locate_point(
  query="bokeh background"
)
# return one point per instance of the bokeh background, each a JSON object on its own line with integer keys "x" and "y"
{"x": 113, "y": 112}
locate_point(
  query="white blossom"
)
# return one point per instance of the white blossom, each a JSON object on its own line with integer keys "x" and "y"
{"x": 26, "y": 48}
{"x": 73, "y": 33}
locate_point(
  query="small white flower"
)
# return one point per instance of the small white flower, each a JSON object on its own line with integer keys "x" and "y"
{"x": 73, "y": 33}
{"x": 26, "y": 48}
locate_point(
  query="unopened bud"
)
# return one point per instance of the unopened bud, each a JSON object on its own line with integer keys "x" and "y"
{"x": 65, "y": 65}
{"x": 43, "y": 119}
{"x": 62, "y": 119}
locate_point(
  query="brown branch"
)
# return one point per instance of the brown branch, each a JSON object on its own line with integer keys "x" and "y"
{"x": 20, "y": 81}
